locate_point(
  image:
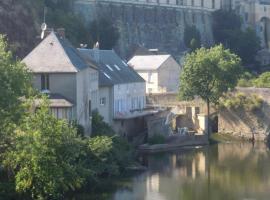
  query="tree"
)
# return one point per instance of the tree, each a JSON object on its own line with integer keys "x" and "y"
{"x": 15, "y": 83}
{"x": 99, "y": 127}
{"x": 47, "y": 158}
{"x": 104, "y": 32}
{"x": 209, "y": 73}
{"x": 227, "y": 31}
{"x": 192, "y": 38}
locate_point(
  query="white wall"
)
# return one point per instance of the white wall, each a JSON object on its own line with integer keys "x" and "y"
{"x": 151, "y": 79}
{"x": 87, "y": 85}
{"x": 106, "y": 110}
{"x": 128, "y": 97}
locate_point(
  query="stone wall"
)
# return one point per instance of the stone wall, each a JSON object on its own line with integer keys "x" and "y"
{"x": 244, "y": 123}
{"x": 152, "y": 26}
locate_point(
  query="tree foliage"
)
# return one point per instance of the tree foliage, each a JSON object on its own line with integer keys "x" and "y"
{"x": 209, "y": 73}
{"x": 15, "y": 83}
{"x": 99, "y": 127}
{"x": 104, "y": 32}
{"x": 47, "y": 158}
{"x": 192, "y": 38}
{"x": 227, "y": 30}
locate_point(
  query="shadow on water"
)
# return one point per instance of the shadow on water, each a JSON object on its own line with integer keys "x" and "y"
{"x": 221, "y": 171}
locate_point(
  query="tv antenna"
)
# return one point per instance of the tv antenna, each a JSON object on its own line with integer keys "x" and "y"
{"x": 43, "y": 25}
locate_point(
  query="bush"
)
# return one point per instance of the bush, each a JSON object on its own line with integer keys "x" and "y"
{"x": 99, "y": 127}
{"x": 157, "y": 139}
{"x": 241, "y": 101}
{"x": 47, "y": 158}
{"x": 263, "y": 81}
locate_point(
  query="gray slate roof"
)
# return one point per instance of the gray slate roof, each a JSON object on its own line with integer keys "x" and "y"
{"x": 112, "y": 69}
{"x": 55, "y": 55}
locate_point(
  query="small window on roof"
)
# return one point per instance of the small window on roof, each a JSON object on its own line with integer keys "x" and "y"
{"x": 124, "y": 63}
{"x": 109, "y": 67}
{"x": 107, "y": 75}
{"x": 117, "y": 67}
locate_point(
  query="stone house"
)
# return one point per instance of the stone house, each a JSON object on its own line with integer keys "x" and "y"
{"x": 70, "y": 81}
{"x": 161, "y": 72}
{"x": 121, "y": 92}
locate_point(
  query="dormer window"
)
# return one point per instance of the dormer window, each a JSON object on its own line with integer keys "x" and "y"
{"x": 45, "y": 82}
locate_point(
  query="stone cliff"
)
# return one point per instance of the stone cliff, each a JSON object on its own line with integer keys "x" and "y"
{"x": 152, "y": 26}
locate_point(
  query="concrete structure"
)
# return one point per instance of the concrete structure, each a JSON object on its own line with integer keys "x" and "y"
{"x": 121, "y": 92}
{"x": 161, "y": 72}
{"x": 70, "y": 82}
{"x": 153, "y": 23}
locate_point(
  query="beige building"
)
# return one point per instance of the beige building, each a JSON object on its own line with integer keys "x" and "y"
{"x": 161, "y": 72}
{"x": 70, "y": 82}
{"x": 122, "y": 97}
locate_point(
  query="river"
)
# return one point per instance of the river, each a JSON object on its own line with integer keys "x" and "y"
{"x": 239, "y": 171}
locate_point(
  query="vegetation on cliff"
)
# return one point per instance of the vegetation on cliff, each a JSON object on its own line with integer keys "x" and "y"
{"x": 227, "y": 30}
{"x": 249, "y": 80}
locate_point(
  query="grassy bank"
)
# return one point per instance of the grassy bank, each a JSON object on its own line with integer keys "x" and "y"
{"x": 225, "y": 137}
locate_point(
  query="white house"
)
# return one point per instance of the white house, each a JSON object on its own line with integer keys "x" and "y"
{"x": 161, "y": 72}
{"x": 70, "y": 81}
{"x": 121, "y": 92}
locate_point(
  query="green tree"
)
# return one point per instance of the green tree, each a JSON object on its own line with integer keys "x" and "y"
{"x": 227, "y": 30}
{"x": 263, "y": 81}
{"x": 209, "y": 73}
{"x": 99, "y": 127}
{"x": 15, "y": 83}
{"x": 103, "y": 31}
{"x": 47, "y": 158}
{"x": 192, "y": 38}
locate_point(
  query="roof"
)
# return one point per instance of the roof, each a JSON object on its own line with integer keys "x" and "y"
{"x": 147, "y": 62}
{"x": 55, "y": 54}
{"x": 112, "y": 69}
{"x": 56, "y": 101}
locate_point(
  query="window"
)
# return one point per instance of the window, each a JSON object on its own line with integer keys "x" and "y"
{"x": 107, "y": 75}
{"x": 213, "y": 4}
{"x": 192, "y": 2}
{"x": 118, "y": 68}
{"x": 109, "y": 67}
{"x": 45, "y": 82}
{"x": 149, "y": 77}
{"x": 202, "y": 3}
{"x": 102, "y": 101}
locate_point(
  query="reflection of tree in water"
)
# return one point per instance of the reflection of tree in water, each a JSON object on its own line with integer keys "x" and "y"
{"x": 240, "y": 172}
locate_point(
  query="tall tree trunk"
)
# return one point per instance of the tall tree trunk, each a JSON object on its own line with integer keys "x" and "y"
{"x": 208, "y": 118}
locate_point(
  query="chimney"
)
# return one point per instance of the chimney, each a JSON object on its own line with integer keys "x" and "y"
{"x": 61, "y": 32}
{"x": 96, "y": 52}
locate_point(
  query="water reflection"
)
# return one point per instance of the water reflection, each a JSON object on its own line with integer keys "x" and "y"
{"x": 224, "y": 171}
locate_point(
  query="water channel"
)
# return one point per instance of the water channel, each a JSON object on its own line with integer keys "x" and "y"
{"x": 234, "y": 171}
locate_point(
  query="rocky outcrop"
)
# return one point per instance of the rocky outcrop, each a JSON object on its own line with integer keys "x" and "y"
{"x": 152, "y": 26}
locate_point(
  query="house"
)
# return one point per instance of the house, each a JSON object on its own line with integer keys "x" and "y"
{"x": 70, "y": 81}
{"x": 121, "y": 92}
{"x": 161, "y": 72}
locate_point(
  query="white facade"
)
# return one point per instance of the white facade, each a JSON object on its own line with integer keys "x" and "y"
{"x": 128, "y": 97}
{"x": 160, "y": 72}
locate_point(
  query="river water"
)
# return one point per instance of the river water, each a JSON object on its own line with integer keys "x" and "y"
{"x": 219, "y": 172}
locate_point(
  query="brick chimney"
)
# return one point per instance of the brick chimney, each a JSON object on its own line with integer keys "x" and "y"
{"x": 61, "y": 32}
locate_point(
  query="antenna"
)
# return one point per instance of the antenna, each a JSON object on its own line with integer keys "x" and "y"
{"x": 43, "y": 25}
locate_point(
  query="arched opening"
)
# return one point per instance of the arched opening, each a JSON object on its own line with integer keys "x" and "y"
{"x": 265, "y": 32}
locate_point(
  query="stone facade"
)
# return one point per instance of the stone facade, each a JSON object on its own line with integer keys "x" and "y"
{"x": 152, "y": 25}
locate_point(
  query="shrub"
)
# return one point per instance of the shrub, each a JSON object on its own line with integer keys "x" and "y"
{"x": 157, "y": 139}
{"x": 263, "y": 81}
{"x": 241, "y": 101}
{"x": 99, "y": 127}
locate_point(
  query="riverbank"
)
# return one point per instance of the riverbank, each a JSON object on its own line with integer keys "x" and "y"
{"x": 226, "y": 137}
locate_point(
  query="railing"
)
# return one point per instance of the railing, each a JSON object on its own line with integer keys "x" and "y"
{"x": 150, "y": 4}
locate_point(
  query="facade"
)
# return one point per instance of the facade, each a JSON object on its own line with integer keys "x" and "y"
{"x": 122, "y": 96}
{"x": 70, "y": 82}
{"x": 161, "y": 72}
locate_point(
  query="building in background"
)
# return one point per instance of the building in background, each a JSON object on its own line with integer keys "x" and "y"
{"x": 161, "y": 72}
{"x": 70, "y": 82}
